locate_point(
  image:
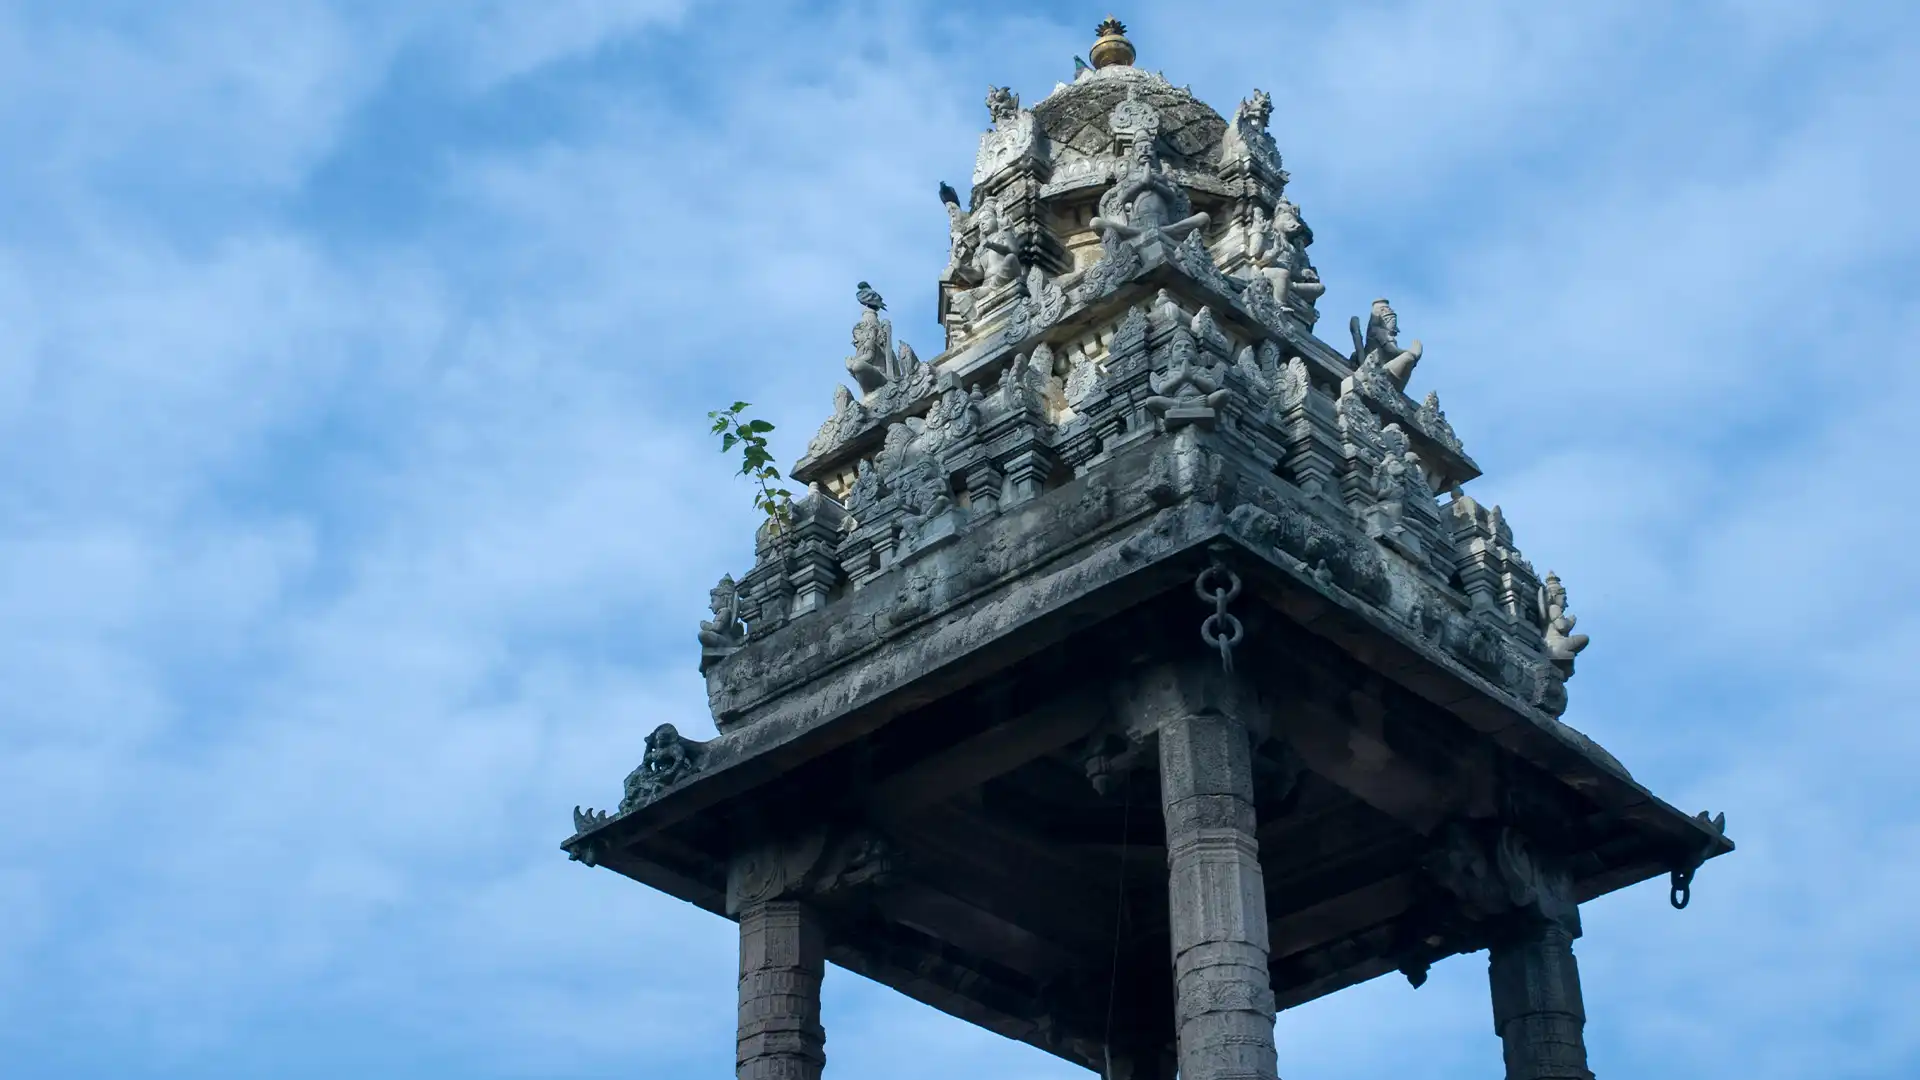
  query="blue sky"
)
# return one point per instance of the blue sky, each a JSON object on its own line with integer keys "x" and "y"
{"x": 359, "y": 508}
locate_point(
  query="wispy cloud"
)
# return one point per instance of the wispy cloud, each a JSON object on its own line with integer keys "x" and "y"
{"x": 342, "y": 557}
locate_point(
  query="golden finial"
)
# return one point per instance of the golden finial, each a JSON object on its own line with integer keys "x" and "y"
{"x": 1113, "y": 46}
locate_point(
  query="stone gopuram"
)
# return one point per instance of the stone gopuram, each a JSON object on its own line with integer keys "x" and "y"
{"x": 1138, "y": 666}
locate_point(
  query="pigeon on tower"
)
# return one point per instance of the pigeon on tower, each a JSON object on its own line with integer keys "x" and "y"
{"x": 868, "y": 298}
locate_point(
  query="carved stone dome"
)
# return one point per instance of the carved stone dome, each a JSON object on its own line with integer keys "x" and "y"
{"x": 1075, "y": 116}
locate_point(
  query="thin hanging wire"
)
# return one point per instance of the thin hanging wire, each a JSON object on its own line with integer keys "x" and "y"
{"x": 1119, "y": 916}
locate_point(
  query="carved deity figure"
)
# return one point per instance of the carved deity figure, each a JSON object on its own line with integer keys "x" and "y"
{"x": 1381, "y": 344}
{"x": 1145, "y": 201}
{"x": 725, "y": 631}
{"x": 997, "y": 257}
{"x": 1186, "y": 393}
{"x": 1278, "y": 247}
{"x": 668, "y": 761}
{"x": 1142, "y": 205}
{"x": 1562, "y": 644}
{"x": 871, "y": 362}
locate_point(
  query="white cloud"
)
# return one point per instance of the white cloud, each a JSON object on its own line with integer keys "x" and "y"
{"x": 337, "y": 570}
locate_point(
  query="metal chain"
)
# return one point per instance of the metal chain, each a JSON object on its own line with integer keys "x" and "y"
{"x": 1220, "y": 630}
{"x": 1680, "y": 892}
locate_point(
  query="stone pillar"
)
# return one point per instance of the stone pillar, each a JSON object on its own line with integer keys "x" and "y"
{"x": 1223, "y": 996}
{"x": 1537, "y": 1010}
{"x": 782, "y": 959}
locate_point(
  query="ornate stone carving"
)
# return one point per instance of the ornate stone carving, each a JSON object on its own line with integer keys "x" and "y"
{"x": 724, "y": 634}
{"x": 1290, "y": 389}
{"x": 1187, "y": 392}
{"x": 1144, "y": 205}
{"x": 816, "y": 862}
{"x": 1193, "y": 257}
{"x": 1562, "y": 645}
{"x": 872, "y": 363}
{"x": 1433, "y": 423}
{"x": 1119, "y": 263}
{"x": 997, "y": 256}
{"x": 1357, "y": 422}
{"x": 1083, "y": 378}
{"x": 1258, "y": 300}
{"x": 1247, "y": 138}
{"x": 1277, "y": 246}
{"x": 849, "y": 416}
{"x": 1025, "y": 385}
{"x": 588, "y": 820}
{"x": 1014, "y": 135}
{"x": 1378, "y": 346}
{"x": 1492, "y": 871}
{"x": 1048, "y": 299}
{"x": 1246, "y": 366}
{"x": 954, "y": 419}
{"x": 669, "y": 760}
{"x": 961, "y": 248}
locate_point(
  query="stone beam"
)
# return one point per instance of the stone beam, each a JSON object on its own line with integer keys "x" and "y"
{"x": 994, "y": 752}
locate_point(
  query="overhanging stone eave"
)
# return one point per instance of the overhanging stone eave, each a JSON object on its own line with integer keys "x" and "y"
{"x": 1371, "y": 638}
{"x": 812, "y": 720}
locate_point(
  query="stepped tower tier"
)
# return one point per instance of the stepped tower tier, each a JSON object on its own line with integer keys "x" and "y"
{"x": 1138, "y": 665}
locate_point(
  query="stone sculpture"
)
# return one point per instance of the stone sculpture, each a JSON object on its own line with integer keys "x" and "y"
{"x": 669, "y": 759}
{"x": 1142, "y": 206}
{"x": 960, "y": 254}
{"x": 1247, "y": 138}
{"x": 1562, "y": 645}
{"x": 1379, "y": 344}
{"x": 873, "y": 363}
{"x": 1185, "y": 393}
{"x": 722, "y": 634}
{"x": 997, "y": 256}
{"x": 1278, "y": 247}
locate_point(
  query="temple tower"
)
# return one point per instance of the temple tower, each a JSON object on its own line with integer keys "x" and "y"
{"x": 1137, "y": 666}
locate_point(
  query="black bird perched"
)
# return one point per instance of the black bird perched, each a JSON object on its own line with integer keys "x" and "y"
{"x": 948, "y": 195}
{"x": 868, "y": 298}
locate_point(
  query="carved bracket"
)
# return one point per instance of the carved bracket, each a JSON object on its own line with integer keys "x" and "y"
{"x": 1492, "y": 871}
{"x": 821, "y": 862}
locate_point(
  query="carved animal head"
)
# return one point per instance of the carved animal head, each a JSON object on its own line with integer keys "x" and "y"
{"x": 1256, "y": 110}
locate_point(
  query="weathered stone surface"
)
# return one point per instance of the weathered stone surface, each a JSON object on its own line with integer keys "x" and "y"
{"x": 1537, "y": 1009}
{"x": 1224, "y": 1005}
{"x": 915, "y": 775}
{"x": 782, "y": 960}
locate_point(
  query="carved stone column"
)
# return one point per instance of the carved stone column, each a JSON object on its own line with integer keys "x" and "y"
{"x": 1224, "y": 998}
{"x": 782, "y": 959}
{"x": 1537, "y": 1011}
{"x": 1527, "y": 904}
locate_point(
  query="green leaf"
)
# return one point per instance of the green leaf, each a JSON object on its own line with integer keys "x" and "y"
{"x": 727, "y": 441}
{"x": 758, "y": 426}
{"x": 737, "y": 406}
